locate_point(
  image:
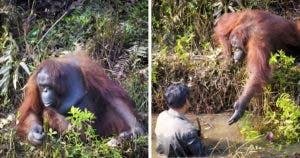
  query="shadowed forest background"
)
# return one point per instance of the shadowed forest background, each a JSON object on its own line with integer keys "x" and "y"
{"x": 184, "y": 51}
{"x": 115, "y": 33}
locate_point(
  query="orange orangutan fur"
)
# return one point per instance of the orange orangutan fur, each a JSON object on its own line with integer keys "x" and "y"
{"x": 257, "y": 33}
{"x": 103, "y": 95}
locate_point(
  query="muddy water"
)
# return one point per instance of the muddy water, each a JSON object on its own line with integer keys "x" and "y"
{"x": 222, "y": 140}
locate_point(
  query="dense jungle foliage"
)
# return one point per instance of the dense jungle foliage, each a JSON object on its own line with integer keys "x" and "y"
{"x": 184, "y": 51}
{"x": 114, "y": 33}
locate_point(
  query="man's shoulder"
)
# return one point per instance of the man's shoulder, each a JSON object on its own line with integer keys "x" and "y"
{"x": 165, "y": 112}
{"x": 166, "y": 116}
{"x": 162, "y": 116}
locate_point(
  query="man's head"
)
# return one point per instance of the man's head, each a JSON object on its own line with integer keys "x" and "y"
{"x": 177, "y": 96}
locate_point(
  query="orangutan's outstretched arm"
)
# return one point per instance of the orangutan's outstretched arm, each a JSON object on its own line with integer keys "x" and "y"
{"x": 259, "y": 73}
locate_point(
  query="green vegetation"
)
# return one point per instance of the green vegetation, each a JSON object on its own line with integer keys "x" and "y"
{"x": 175, "y": 21}
{"x": 71, "y": 144}
{"x": 68, "y": 145}
{"x": 213, "y": 84}
{"x": 286, "y": 119}
{"x": 282, "y": 114}
{"x": 114, "y": 33}
{"x": 247, "y": 130}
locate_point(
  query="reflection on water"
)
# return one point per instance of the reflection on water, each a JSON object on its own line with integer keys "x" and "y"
{"x": 224, "y": 140}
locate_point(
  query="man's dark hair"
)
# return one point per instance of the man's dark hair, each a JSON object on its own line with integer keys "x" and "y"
{"x": 176, "y": 95}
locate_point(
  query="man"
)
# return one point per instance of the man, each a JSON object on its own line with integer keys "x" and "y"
{"x": 176, "y": 135}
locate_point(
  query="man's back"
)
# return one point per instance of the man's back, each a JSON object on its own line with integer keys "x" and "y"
{"x": 176, "y": 135}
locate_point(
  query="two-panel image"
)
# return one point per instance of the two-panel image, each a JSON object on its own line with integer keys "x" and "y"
{"x": 149, "y": 78}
